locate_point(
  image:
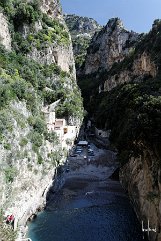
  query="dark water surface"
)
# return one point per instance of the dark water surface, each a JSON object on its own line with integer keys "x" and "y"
{"x": 103, "y": 214}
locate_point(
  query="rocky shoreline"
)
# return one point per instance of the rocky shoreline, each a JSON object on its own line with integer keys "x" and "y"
{"x": 56, "y": 183}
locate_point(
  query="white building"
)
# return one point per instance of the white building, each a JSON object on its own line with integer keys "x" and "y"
{"x": 65, "y": 133}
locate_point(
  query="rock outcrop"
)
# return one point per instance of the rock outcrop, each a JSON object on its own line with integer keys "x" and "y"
{"x": 81, "y": 25}
{"x": 141, "y": 67}
{"x": 140, "y": 178}
{"x": 56, "y": 46}
{"x": 5, "y": 37}
{"x": 82, "y": 30}
{"x": 52, "y": 8}
{"x": 59, "y": 55}
{"x": 112, "y": 44}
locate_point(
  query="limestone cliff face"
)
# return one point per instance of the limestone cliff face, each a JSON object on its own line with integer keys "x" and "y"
{"x": 144, "y": 65}
{"x": 81, "y": 25}
{"x": 52, "y": 8}
{"x": 60, "y": 55}
{"x": 140, "y": 177}
{"x": 28, "y": 160}
{"x": 59, "y": 51}
{"x": 42, "y": 60}
{"x": 5, "y": 38}
{"x": 141, "y": 67}
{"x": 82, "y": 30}
{"x": 126, "y": 67}
{"x": 110, "y": 45}
{"x": 25, "y": 173}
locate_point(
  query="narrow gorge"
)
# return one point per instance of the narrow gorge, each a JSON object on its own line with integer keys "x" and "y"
{"x": 65, "y": 79}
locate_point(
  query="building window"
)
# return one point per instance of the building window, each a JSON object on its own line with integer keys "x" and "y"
{"x": 65, "y": 130}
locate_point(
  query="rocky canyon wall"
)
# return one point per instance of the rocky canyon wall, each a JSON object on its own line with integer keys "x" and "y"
{"x": 120, "y": 82}
{"x": 108, "y": 46}
{"x": 36, "y": 69}
{"x": 141, "y": 178}
{"x": 142, "y": 66}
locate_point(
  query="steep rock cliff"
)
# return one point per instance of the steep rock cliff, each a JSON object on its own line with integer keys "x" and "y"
{"x": 36, "y": 56}
{"x": 142, "y": 66}
{"x": 27, "y": 163}
{"x": 109, "y": 45}
{"x": 123, "y": 96}
{"x": 47, "y": 39}
{"x": 82, "y": 30}
{"x": 81, "y": 25}
{"x": 141, "y": 178}
{"x": 52, "y": 8}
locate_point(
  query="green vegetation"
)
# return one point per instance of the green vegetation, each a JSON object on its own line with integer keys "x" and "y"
{"x": 89, "y": 86}
{"x": 24, "y": 79}
{"x": 7, "y": 233}
{"x": 132, "y": 110}
{"x": 52, "y": 32}
{"x": 80, "y": 45}
{"x": 5, "y": 123}
{"x": 21, "y": 12}
{"x": 69, "y": 141}
{"x": 18, "y": 117}
{"x": 37, "y": 139}
{"x": 25, "y": 86}
{"x": 72, "y": 104}
{"x": 52, "y": 137}
{"x": 10, "y": 173}
{"x": 55, "y": 30}
{"x": 56, "y": 157}
{"x": 7, "y": 146}
{"x": 82, "y": 29}
{"x": 23, "y": 142}
{"x": 133, "y": 113}
{"x": 40, "y": 159}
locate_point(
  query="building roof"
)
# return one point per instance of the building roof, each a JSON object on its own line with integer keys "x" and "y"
{"x": 83, "y": 143}
{"x": 59, "y": 122}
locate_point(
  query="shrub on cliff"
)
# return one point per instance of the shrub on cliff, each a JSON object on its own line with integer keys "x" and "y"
{"x": 10, "y": 174}
{"x": 133, "y": 113}
{"x": 21, "y": 11}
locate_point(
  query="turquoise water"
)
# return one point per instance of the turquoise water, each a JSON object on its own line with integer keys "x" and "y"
{"x": 73, "y": 218}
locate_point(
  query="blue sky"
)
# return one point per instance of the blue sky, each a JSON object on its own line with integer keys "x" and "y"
{"x": 137, "y": 15}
